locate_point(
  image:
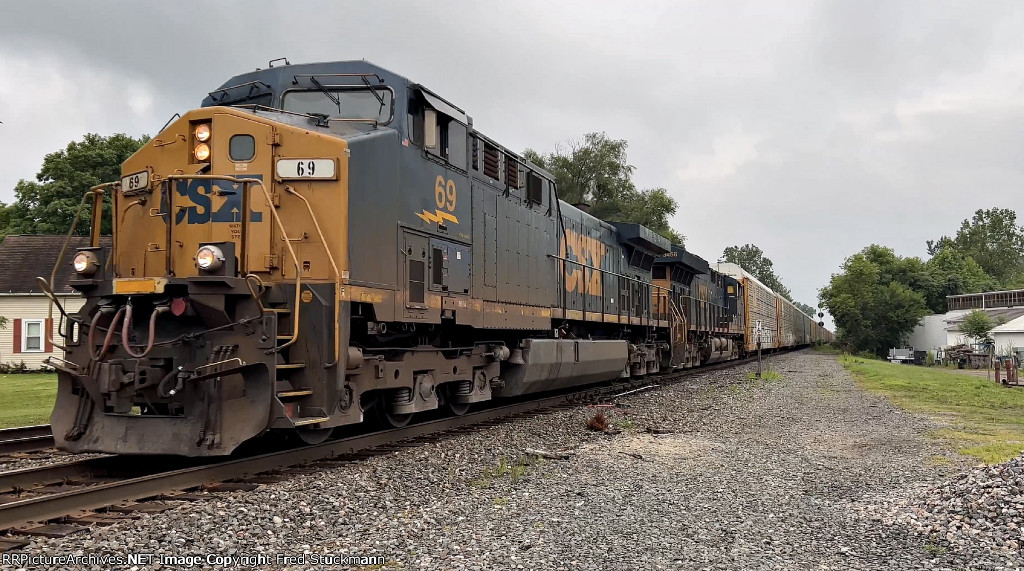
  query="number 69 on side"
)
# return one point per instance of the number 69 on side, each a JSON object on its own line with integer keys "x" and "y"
{"x": 306, "y": 169}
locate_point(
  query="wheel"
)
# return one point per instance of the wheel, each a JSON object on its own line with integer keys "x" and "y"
{"x": 382, "y": 411}
{"x": 313, "y": 435}
{"x": 456, "y": 408}
{"x": 447, "y": 393}
{"x": 394, "y": 420}
{"x": 388, "y": 419}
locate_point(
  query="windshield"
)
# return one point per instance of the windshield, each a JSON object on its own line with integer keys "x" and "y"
{"x": 351, "y": 103}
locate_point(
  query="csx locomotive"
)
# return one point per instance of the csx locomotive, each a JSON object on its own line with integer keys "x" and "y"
{"x": 321, "y": 243}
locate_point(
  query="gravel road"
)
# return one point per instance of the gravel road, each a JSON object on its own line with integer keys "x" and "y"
{"x": 738, "y": 474}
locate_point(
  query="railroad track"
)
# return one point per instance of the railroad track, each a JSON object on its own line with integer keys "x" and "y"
{"x": 25, "y": 439}
{"x": 33, "y": 495}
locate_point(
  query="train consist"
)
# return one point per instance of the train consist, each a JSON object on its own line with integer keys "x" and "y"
{"x": 322, "y": 243}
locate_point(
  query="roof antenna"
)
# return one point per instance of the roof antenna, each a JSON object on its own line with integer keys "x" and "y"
{"x": 284, "y": 59}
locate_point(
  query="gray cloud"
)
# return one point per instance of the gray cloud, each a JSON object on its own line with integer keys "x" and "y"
{"x": 809, "y": 128}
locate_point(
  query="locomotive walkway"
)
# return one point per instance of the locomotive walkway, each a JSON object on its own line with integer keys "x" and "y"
{"x": 716, "y": 472}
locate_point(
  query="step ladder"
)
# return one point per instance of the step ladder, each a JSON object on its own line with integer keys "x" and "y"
{"x": 288, "y": 382}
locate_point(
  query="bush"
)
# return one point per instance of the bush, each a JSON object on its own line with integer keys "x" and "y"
{"x": 19, "y": 368}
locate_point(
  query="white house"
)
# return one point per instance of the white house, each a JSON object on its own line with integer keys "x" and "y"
{"x": 30, "y": 331}
{"x": 1009, "y": 337}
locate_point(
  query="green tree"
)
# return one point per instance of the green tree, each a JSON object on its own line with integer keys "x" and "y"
{"x": 875, "y": 300}
{"x": 752, "y": 259}
{"x": 48, "y": 204}
{"x": 952, "y": 273}
{"x": 977, "y": 325}
{"x": 651, "y": 208}
{"x": 810, "y": 311}
{"x": 993, "y": 239}
{"x": 595, "y": 170}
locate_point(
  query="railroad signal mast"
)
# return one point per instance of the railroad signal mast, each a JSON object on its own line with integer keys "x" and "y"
{"x": 758, "y": 330}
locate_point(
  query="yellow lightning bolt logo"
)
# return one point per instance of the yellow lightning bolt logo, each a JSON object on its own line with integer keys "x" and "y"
{"x": 437, "y": 216}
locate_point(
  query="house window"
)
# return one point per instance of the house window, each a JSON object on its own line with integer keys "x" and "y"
{"x": 32, "y": 335}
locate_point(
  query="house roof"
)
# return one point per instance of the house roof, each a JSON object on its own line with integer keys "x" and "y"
{"x": 1012, "y": 326}
{"x": 1007, "y": 314}
{"x": 23, "y": 257}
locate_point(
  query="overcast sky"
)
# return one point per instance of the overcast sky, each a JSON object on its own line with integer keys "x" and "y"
{"x": 811, "y": 129}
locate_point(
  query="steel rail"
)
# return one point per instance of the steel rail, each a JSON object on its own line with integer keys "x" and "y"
{"x": 25, "y": 439}
{"x": 114, "y": 479}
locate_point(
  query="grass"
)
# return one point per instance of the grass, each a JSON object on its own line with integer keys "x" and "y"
{"x": 767, "y": 374}
{"x": 26, "y": 399}
{"x": 515, "y": 470}
{"x": 985, "y": 420}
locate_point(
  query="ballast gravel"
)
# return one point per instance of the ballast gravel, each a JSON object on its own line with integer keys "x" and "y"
{"x": 982, "y": 507}
{"x": 40, "y": 458}
{"x": 714, "y": 472}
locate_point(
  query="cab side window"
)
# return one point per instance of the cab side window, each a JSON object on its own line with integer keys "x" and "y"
{"x": 415, "y": 127}
{"x": 451, "y": 139}
{"x": 439, "y": 134}
{"x": 455, "y": 146}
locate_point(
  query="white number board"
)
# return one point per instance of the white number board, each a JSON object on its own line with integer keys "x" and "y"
{"x": 135, "y": 181}
{"x": 305, "y": 168}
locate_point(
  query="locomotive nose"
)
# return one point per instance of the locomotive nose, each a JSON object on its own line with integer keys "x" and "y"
{"x": 219, "y": 314}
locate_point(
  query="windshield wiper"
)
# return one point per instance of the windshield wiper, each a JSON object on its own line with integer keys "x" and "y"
{"x": 375, "y": 94}
{"x": 327, "y": 92}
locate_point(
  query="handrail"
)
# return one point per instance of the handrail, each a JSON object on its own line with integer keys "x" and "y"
{"x": 337, "y": 275}
{"x": 679, "y": 315}
{"x": 610, "y": 273}
{"x": 96, "y": 193}
{"x": 603, "y": 271}
{"x": 224, "y": 90}
{"x": 280, "y": 226}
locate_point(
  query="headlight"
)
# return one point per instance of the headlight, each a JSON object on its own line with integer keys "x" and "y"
{"x": 209, "y": 258}
{"x": 202, "y": 132}
{"x": 202, "y": 152}
{"x": 85, "y": 263}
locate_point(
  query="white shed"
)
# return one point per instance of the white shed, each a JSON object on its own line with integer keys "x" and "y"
{"x": 1009, "y": 337}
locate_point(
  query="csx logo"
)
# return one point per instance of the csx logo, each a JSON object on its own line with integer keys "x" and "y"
{"x": 201, "y": 192}
{"x": 585, "y": 250}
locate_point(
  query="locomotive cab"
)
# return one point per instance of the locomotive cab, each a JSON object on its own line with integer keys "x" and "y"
{"x": 217, "y": 314}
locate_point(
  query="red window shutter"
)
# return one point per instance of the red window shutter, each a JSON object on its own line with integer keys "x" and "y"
{"x": 17, "y": 336}
{"x": 48, "y": 334}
